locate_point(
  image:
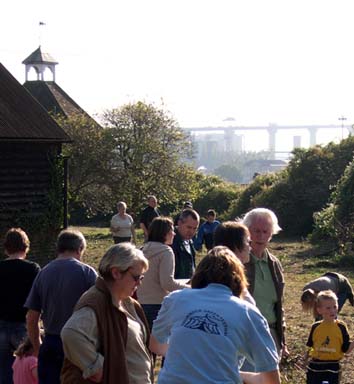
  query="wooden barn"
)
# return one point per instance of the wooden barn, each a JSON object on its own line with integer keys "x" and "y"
{"x": 32, "y": 170}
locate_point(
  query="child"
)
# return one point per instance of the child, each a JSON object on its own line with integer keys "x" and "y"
{"x": 25, "y": 364}
{"x": 328, "y": 341}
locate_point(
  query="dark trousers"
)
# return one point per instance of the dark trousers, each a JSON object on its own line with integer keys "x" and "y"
{"x": 118, "y": 240}
{"x": 321, "y": 371}
{"x": 151, "y": 311}
{"x": 50, "y": 360}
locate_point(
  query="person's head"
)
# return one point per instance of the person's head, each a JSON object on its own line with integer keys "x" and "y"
{"x": 123, "y": 265}
{"x": 121, "y": 207}
{"x": 262, "y": 224}
{"x": 71, "y": 241}
{"x": 327, "y": 305}
{"x": 161, "y": 230}
{"x": 152, "y": 201}
{"x": 308, "y": 301}
{"x": 188, "y": 204}
{"x": 211, "y": 215}
{"x": 188, "y": 223}
{"x": 16, "y": 241}
{"x": 220, "y": 266}
{"x": 235, "y": 236}
{"x": 25, "y": 348}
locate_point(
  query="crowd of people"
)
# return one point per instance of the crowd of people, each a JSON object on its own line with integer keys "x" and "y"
{"x": 219, "y": 321}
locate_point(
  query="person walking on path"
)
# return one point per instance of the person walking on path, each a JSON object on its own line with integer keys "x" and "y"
{"x": 52, "y": 298}
{"x": 16, "y": 277}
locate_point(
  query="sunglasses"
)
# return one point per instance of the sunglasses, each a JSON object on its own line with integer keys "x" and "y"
{"x": 137, "y": 278}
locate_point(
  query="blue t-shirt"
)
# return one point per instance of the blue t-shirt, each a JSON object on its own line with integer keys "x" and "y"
{"x": 209, "y": 330}
{"x": 56, "y": 290}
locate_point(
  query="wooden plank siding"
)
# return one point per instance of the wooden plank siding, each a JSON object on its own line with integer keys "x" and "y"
{"x": 25, "y": 181}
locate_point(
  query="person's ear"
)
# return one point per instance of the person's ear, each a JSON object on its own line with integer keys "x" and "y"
{"x": 116, "y": 273}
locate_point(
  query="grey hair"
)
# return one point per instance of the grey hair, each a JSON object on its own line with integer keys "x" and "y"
{"x": 123, "y": 256}
{"x": 121, "y": 204}
{"x": 256, "y": 213}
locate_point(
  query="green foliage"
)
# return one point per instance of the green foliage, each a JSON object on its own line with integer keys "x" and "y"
{"x": 336, "y": 221}
{"x": 304, "y": 188}
{"x": 246, "y": 199}
{"x": 149, "y": 147}
{"x": 90, "y": 163}
{"x": 137, "y": 151}
{"x": 214, "y": 193}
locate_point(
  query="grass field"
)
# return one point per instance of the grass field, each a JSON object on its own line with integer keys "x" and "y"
{"x": 301, "y": 262}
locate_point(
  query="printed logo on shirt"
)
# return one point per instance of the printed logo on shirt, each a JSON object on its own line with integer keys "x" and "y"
{"x": 206, "y": 321}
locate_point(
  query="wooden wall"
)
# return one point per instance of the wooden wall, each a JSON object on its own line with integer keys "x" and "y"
{"x": 26, "y": 181}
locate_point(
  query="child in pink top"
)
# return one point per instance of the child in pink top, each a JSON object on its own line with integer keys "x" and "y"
{"x": 25, "y": 364}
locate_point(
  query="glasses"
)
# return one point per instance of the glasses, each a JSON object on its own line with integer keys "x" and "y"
{"x": 137, "y": 278}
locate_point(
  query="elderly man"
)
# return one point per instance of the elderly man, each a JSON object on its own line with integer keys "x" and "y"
{"x": 148, "y": 215}
{"x": 182, "y": 246}
{"x": 265, "y": 273}
{"x": 52, "y": 298}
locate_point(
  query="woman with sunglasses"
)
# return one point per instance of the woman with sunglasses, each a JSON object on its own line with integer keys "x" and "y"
{"x": 106, "y": 338}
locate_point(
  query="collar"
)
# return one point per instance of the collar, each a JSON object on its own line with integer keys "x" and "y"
{"x": 264, "y": 258}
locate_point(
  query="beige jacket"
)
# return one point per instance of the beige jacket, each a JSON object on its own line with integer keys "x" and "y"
{"x": 159, "y": 278}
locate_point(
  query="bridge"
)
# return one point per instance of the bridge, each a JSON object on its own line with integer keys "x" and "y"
{"x": 272, "y": 130}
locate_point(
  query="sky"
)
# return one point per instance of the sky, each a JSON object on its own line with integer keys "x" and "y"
{"x": 256, "y": 61}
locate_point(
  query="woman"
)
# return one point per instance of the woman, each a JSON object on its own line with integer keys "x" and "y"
{"x": 106, "y": 338}
{"x": 265, "y": 273}
{"x": 159, "y": 279}
{"x": 236, "y": 237}
{"x": 209, "y": 328}
{"x": 333, "y": 281}
{"x": 122, "y": 225}
{"x": 16, "y": 277}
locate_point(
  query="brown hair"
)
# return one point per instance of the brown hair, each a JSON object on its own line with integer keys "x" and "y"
{"x": 220, "y": 266}
{"x": 24, "y": 349}
{"x": 159, "y": 229}
{"x": 232, "y": 234}
{"x": 16, "y": 240}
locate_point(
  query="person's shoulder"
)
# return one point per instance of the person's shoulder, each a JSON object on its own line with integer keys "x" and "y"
{"x": 341, "y": 324}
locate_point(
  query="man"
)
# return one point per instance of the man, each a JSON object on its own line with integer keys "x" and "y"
{"x": 148, "y": 215}
{"x": 182, "y": 245}
{"x": 206, "y": 231}
{"x": 52, "y": 298}
{"x": 187, "y": 204}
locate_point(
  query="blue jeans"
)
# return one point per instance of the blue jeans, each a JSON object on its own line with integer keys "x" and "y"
{"x": 50, "y": 360}
{"x": 11, "y": 335}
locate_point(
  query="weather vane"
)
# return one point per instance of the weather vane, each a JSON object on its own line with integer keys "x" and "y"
{"x": 40, "y": 25}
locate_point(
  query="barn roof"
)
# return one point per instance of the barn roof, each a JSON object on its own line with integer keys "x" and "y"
{"x": 53, "y": 98}
{"x": 22, "y": 118}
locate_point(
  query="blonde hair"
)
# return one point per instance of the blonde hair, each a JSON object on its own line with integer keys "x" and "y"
{"x": 123, "y": 256}
{"x": 325, "y": 295}
{"x": 221, "y": 266}
{"x": 308, "y": 301}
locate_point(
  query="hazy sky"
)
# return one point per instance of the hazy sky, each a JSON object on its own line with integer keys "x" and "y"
{"x": 258, "y": 61}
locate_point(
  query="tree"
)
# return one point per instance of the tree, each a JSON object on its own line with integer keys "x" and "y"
{"x": 90, "y": 162}
{"x": 148, "y": 154}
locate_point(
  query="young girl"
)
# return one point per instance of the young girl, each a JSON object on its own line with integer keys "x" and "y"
{"x": 25, "y": 364}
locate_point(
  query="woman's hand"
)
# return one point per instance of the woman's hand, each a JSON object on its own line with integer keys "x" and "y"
{"x": 97, "y": 377}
